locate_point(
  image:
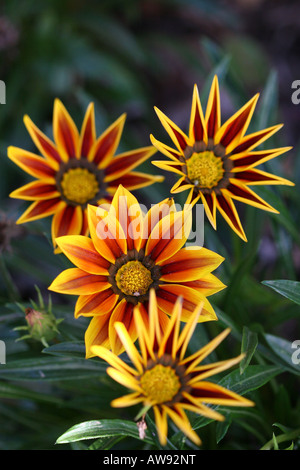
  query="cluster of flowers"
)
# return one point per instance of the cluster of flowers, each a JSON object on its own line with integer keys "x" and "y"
{"x": 133, "y": 274}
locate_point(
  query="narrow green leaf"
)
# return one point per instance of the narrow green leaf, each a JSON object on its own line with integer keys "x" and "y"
{"x": 289, "y": 289}
{"x": 8, "y": 390}
{"x": 48, "y": 368}
{"x": 99, "y": 429}
{"x": 285, "y": 351}
{"x": 249, "y": 345}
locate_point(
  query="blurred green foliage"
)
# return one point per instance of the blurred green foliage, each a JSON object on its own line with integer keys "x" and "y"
{"x": 128, "y": 57}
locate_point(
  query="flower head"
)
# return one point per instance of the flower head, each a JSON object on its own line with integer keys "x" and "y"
{"x": 217, "y": 163}
{"x": 163, "y": 377}
{"x": 75, "y": 170}
{"x": 129, "y": 253}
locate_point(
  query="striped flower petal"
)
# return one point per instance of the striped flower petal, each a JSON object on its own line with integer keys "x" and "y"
{"x": 81, "y": 251}
{"x": 31, "y": 163}
{"x": 75, "y": 281}
{"x": 108, "y": 142}
{"x": 65, "y": 132}
{"x": 36, "y": 190}
{"x": 189, "y": 264}
{"x": 41, "y": 209}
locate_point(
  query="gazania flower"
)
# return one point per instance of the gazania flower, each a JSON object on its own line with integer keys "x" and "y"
{"x": 217, "y": 163}
{"x": 75, "y": 170}
{"x": 162, "y": 378}
{"x": 128, "y": 254}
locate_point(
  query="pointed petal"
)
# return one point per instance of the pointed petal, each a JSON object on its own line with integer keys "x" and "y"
{"x": 229, "y": 212}
{"x": 130, "y": 399}
{"x": 66, "y": 222}
{"x": 207, "y": 370}
{"x": 251, "y": 141}
{"x": 155, "y": 214}
{"x": 161, "y": 423}
{"x": 36, "y": 190}
{"x": 213, "y": 110}
{"x": 106, "y": 145}
{"x": 74, "y": 281}
{"x": 81, "y": 251}
{"x": 98, "y": 304}
{"x": 65, "y": 132}
{"x": 214, "y": 394}
{"x": 125, "y": 162}
{"x": 42, "y": 142}
{"x": 210, "y": 207}
{"x": 254, "y": 177}
{"x": 182, "y": 422}
{"x": 233, "y": 130}
{"x": 246, "y": 160}
{"x": 189, "y": 264}
{"x": 41, "y": 209}
{"x": 88, "y": 132}
{"x": 107, "y": 234}
{"x": 166, "y": 150}
{"x": 97, "y": 334}
{"x": 126, "y": 209}
{"x": 169, "y": 340}
{"x": 188, "y": 331}
{"x": 124, "y": 379}
{"x": 130, "y": 348}
{"x": 134, "y": 180}
{"x": 197, "y": 407}
{"x": 168, "y": 293}
{"x": 181, "y": 185}
{"x": 123, "y": 312}
{"x": 240, "y": 192}
{"x": 192, "y": 361}
{"x": 31, "y": 163}
{"x": 197, "y": 131}
{"x": 111, "y": 358}
{"x": 145, "y": 332}
{"x": 180, "y": 139}
{"x": 207, "y": 285}
{"x": 169, "y": 235}
{"x": 172, "y": 167}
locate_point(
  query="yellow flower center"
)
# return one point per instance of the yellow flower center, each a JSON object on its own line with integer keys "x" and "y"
{"x": 79, "y": 185}
{"x": 205, "y": 169}
{"x": 160, "y": 384}
{"x": 133, "y": 278}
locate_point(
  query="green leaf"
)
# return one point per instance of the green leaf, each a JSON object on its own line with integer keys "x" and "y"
{"x": 48, "y": 368}
{"x": 289, "y": 289}
{"x": 253, "y": 378}
{"x": 103, "y": 428}
{"x": 222, "y": 428}
{"x": 68, "y": 348}
{"x": 249, "y": 345}
{"x": 8, "y": 390}
{"x": 284, "y": 350}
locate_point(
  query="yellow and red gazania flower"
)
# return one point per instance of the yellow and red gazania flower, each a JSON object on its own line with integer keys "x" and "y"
{"x": 75, "y": 170}
{"x": 216, "y": 162}
{"x": 162, "y": 378}
{"x": 128, "y": 254}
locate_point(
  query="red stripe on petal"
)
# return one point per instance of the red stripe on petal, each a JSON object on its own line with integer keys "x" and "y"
{"x": 65, "y": 132}
{"x": 41, "y": 209}
{"x": 88, "y": 132}
{"x": 43, "y": 143}
{"x": 108, "y": 142}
